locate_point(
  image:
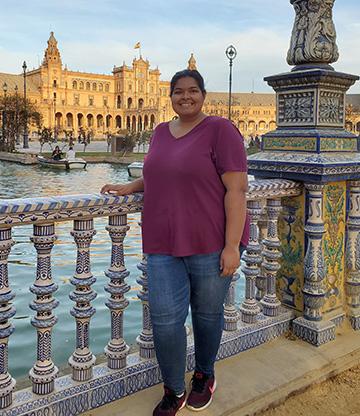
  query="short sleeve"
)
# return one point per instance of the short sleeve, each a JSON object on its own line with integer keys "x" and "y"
{"x": 230, "y": 153}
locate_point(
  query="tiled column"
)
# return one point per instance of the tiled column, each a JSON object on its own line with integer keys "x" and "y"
{"x": 82, "y": 360}
{"x": 311, "y": 327}
{"x": 44, "y": 372}
{"x": 271, "y": 254}
{"x": 7, "y": 311}
{"x": 352, "y": 256}
{"x": 231, "y": 314}
{"x": 252, "y": 258}
{"x": 261, "y": 278}
{"x": 116, "y": 349}
{"x": 145, "y": 339}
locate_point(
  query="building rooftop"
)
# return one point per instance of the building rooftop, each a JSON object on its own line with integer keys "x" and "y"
{"x": 13, "y": 80}
{"x": 240, "y": 98}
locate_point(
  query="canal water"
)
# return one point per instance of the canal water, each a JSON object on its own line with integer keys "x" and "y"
{"x": 19, "y": 181}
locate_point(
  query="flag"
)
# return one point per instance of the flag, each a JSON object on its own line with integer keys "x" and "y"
{"x": 137, "y": 45}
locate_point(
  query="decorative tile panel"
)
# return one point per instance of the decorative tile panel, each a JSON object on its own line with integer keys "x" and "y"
{"x": 331, "y": 108}
{"x": 296, "y": 108}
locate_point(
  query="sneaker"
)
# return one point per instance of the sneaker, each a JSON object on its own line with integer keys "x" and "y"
{"x": 202, "y": 391}
{"x": 170, "y": 404}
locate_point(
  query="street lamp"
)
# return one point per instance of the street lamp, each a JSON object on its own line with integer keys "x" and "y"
{"x": 231, "y": 55}
{"x": 26, "y": 136}
{"x": 17, "y": 115}
{"x": 4, "y": 114}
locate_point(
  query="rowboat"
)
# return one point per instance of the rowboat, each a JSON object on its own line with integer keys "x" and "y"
{"x": 135, "y": 169}
{"x": 66, "y": 164}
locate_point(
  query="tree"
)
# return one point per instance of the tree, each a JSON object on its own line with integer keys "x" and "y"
{"x": 13, "y": 118}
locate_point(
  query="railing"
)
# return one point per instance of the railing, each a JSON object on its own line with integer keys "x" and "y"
{"x": 260, "y": 318}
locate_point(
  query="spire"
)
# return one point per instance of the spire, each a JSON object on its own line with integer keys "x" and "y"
{"x": 52, "y": 54}
{"x": 192, "y": 63}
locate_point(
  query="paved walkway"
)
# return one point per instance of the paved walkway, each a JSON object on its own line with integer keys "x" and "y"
{"x": 256, "y": 379}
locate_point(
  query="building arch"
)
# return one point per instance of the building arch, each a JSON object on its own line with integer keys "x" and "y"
{"x": 349, "y": 125}
{"x": 69, "y": 120}
{"x": 81, "y": 85}
{"x": 108, "y": 121}
{"x": 139, "y": 124}
{"x": 87, "y": 86}
{"x": 80, "y": 120}
{"x": 107, "y": 88}
{"x": 272, "y": 125}
{"x": 90, "y": 120}
{"x": 99, "y": 121}
{"x": 58, "y": 119}
{"x": 101, "y": 87}
{"x": 133, "y": 123}
{"x": 74, "y": 85}
{"x": 140, "y": 103}
{"x": 128, "y": 123}
{"x": 129, "y": 102}
{"x": 118, "y": 122}
{"x": 146, "y": 121}
{"x": 94, "y": 86}
{"x": 242, "y": 126}
{"x": 118, "y": 101}
{"x": 262, "y": 125}
{"x": 152, "y": 121}
{"x": 251, "y": 125}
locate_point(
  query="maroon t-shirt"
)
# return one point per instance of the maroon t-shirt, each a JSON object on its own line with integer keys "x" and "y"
{"x": 184, "y": 210}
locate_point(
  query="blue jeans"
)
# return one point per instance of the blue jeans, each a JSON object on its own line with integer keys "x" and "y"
{"x": 174, "y": 284}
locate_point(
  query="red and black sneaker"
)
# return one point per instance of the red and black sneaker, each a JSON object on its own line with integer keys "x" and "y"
{"x": 202, "y": 391}
{"x": 170, "y": 404}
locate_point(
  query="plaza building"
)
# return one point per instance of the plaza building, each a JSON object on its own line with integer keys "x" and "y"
{"x": 131, "y": 98}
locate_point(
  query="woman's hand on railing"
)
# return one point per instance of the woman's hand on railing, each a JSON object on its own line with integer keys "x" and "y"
{"x": 119, "y": 189}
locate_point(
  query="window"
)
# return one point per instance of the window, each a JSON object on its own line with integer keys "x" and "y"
{"x": 94, "y": 86}
{"x": 54, "y": 83}
{"x": 76, "y": 99}
{"x": 74, "y": 85}
{"x": 54, "y": 96}
{"x": 105, "y": 101}
{"x": 81, "y": 85}
{"x": 107, "y": 87}
{"x": 87, "y": 86}
{"x": 100, "y": 87}
{"x": 91, "y": 100}
{"x": 118, "y": 102}
{"x": 129, "y": 87}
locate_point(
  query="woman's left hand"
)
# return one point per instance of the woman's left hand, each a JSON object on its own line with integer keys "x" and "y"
{"x": 229, "y": 261}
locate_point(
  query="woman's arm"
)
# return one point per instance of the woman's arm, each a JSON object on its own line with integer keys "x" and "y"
{"x": 236, "y": 185}
{"x": 124, "y": 189}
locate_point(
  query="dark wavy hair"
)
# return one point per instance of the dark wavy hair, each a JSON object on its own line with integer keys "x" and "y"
{"x": 188, "y": 73}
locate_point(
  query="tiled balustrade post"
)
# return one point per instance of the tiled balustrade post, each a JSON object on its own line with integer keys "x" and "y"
{"x": 82, "y": 360}
{"x": 261, "y": 278}
{"x": 116, "y": 349}
{"x": 145, "y": 339}
{"x": 271, "y": 255}
{"x": 7, "y": 311}
{"x": 44, "y": 372}
{"x": 231, "y": 314}
{"x": 311, "y": 327}
{"x": 252, "y": 259}
{"x": 352, "y": 256}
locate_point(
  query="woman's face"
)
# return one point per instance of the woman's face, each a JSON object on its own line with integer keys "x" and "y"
{"x": 187, "y": 99}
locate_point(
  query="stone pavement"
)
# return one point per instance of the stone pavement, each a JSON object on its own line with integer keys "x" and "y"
{"x": 258, "y": 378}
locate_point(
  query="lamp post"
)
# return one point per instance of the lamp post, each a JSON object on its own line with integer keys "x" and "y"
{"x": 26, "y": 135}
{"x": 17, "y": 115}
{"x": 4, "y": 114}
{"x": 231, "y": 55}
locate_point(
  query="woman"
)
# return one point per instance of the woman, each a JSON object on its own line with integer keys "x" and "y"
{"x": 195, "y": 183}
{"x": 56, "y": 154}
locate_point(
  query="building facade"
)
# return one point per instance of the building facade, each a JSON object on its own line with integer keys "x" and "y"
{"x": 131, "y": 98}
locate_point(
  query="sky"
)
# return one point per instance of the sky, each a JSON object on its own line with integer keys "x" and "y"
{"x": 95, "y": 35}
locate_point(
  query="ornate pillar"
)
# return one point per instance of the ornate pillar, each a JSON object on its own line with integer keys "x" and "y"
{"x": 82, "y": 360}
{"x": 311, "y": 327}
{"x": 261, "y": 278}
{"x": 145, "y": 339}
{"x": 352, "y": 256}
{"x": 116, "y": 349}
{"x": 313, "y": 38}
{"x": 252, "y": 258}
{"x": 43, "y": 372}
{"x": 7, "y": 311}
{"x": 271, "y": 254}
{"x": 231, "y": 314}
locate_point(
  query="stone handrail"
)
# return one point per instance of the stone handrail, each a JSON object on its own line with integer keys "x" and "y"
{"x": 259, "y": 319}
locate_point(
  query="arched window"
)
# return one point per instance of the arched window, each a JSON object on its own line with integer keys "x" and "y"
{"x": 87, "y": 85}
{"x": 129, "y": 102}
{"x": 118, "y": 101}
{"x": 81, "y": 85}
{"x": 101, "y": 87}
{"x": 74, "y": 85}
{"x": 107, "y": 87}
{"x": 140, "y": 103}
{"x": 94, "y": 86}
